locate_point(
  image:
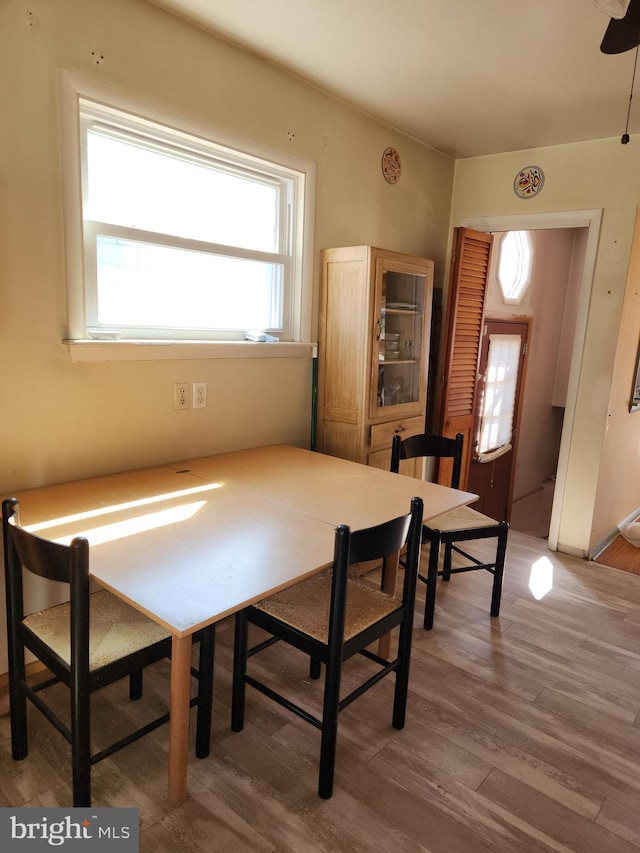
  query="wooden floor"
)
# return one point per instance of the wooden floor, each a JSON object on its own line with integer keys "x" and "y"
{"x": 622, "y": 555}
{"x": 523, "y": 734}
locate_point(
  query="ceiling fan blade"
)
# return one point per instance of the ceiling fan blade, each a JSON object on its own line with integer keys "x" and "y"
{"x": 624, "y": 33}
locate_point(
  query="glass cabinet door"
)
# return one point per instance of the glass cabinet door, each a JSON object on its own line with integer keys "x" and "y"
{"x": 399, "y": 342}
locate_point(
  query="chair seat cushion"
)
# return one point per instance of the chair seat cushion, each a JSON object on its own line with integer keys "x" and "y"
{"x": 116, "y": 629}
{"x": 463, "y": 518}
{"x": 305, "y": 606}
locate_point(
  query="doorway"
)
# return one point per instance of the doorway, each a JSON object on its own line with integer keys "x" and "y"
{"x": 589, "y": 220}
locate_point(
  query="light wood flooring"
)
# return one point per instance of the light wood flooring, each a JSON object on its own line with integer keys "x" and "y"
{"x": 523, "y": 735}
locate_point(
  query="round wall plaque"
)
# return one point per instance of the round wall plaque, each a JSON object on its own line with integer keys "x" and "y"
{"x": 391, "y": 167}
{"x": 528, "y": 182}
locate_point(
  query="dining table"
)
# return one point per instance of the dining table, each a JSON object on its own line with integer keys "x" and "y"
{"x": 192, "y": 542}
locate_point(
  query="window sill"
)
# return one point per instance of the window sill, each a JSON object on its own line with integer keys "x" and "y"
{"x": 94, "y": 351}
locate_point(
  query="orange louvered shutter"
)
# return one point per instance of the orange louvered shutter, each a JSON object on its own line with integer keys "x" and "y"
{"x": 465, "y": 315}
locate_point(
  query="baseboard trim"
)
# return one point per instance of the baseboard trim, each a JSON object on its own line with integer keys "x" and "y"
{"x": 603, "y": 544}
{"x": 571, "y": 551}
{"x": 599, "y": 547}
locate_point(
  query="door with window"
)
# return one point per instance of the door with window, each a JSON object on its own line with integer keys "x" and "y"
{"x": 497, "y": 419}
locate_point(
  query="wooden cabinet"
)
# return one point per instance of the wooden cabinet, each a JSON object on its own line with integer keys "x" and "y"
{"x": 373, "y": 352}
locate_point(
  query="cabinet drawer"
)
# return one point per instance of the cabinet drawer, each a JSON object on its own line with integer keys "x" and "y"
{"x": 408, "y": 467}
{"x": 382, "y": 434}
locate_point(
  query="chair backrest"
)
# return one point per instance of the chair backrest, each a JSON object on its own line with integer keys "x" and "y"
{"x": 435, "y": 446}
{"x": 50, "y": 560}
{"x": 373, "y": 543}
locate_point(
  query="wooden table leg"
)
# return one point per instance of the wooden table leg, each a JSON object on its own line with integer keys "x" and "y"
{"x": 179, "y": 722}
{"x": 389, "y": 583}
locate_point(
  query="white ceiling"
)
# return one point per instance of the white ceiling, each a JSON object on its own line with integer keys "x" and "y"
{"x": 468, "y": 77}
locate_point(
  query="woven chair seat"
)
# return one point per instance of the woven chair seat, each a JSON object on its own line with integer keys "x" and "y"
{"x": 111, "y": 641}
{"x": 463, "y": 518}
{"x": 117, "y": 630}
{"x": 332, "y": 617}
{"x": 305, "y": 606}
{"x": 459, "y": 525}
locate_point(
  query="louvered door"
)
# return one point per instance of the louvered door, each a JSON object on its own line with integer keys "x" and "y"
{"x": 465, "y": 314}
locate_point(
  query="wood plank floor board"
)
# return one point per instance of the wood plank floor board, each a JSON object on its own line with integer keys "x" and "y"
{"x": 587, "y": 757}
{"x": 509, "y": 679}
{"x": 621, "y": 554}
{"x": 284, "y": 780}
{"x": 621, "y": 816}
{"x": 515, "y": 747}
{"x": 427, "y": 747}
{"x": 503, "y": 829}
{"x": 551, "y": 818}
{"x": 531, "y": 663}
{"x": 481, "y": 657}
{"x": 596, "y": 655}
{"x": 620, "y": 742}
{"x": 522, "y": 736}
{"x": 406, "y": 802}
{"x": 599, "y": 620}
{"x": 617, "y": 632}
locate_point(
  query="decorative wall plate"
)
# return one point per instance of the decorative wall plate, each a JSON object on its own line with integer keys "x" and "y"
{"x": 391, "y": 167}
{"x": 528, "y": 182}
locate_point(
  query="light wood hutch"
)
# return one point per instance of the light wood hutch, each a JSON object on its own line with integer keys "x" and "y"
{"x": 373, "y": 352}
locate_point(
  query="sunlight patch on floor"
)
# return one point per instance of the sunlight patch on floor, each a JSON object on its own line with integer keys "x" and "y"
{"x": 541, "y": 578}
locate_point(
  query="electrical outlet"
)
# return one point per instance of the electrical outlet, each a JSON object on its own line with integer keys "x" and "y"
{"x": 181, "y": 395}
{"x": 199, "y": 395}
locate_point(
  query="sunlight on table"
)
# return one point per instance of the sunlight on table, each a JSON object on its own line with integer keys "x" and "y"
{"x": 108, "y": 510}
{"x": 139, "y": 524}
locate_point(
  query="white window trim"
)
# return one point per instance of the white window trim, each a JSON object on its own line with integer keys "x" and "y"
{"x": 72, "y": 87}
{"x": 92, "y": 351}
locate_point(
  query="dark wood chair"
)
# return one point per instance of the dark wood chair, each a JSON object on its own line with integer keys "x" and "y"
{"x": 332, "y": 617}
{"x": 461, "y": 525}
{"x": 86, "y": 643}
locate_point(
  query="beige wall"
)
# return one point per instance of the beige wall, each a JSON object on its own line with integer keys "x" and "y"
{"x": 63, "y": 420}
{"x": 73, "y": 420}
{"x": 620, "y": 465}
{"x": 601, "y": 174}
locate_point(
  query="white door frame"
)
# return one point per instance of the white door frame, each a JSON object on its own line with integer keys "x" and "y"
{"x": 590, "y": 219}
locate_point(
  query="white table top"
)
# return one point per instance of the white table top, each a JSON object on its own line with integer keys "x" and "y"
{"x": 325, "y": 487}
{"x": 193, "y": 542}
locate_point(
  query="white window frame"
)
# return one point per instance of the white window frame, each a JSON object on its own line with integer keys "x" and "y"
{"x": 298, "y": 300}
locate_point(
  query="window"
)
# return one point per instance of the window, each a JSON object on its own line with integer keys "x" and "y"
{"x": 499, "y": 398}
{"x": 182, "y": 236}
{"x": 514, "y": 266}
